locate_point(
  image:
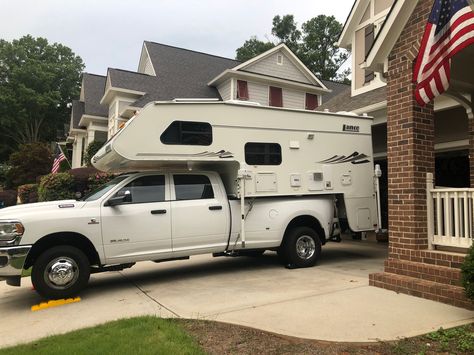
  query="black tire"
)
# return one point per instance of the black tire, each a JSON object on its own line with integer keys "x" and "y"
{"x": 305, "y": 256}
{"x": 63, "y": 258}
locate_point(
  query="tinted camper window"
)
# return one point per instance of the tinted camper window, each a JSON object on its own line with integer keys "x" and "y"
{"x": 187, "y": 133}
{"x": 263, "y": 153}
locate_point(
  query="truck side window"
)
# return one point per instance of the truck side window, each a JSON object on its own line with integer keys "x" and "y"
{"x": 192, "y": 187}
{"x": 262, "y": 153}
{"x": 146, "y": 189}
{"x": 187, "y": 133}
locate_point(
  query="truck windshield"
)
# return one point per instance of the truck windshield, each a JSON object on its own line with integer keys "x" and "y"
{"x": 102, "y": 190}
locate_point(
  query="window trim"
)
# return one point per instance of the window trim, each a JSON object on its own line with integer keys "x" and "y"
{"x": 265, "y": 154}
{"x": 181, "y": 133}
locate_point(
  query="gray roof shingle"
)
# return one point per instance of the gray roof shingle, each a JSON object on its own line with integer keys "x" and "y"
{"x": 336, "y": 88}
{"x": 344, "y": 102}
{"x": 94, "y": 86}
{"x": 77, "y": 111}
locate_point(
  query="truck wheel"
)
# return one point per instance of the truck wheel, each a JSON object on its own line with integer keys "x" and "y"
{"x": 60, "y": 272}
{"x": 301, "y": 248}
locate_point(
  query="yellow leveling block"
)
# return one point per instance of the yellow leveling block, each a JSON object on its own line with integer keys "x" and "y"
{"x": 54, "y": 303}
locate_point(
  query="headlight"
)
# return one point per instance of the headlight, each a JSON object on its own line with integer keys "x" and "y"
{"x": 10, "y": 230}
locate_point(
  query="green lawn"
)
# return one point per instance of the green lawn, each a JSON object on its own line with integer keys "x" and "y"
{"x": 142, "y": 335}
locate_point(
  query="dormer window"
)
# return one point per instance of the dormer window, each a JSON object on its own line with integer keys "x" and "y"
{"x": 280, "y": 59}
{"x": 242, "y": 90}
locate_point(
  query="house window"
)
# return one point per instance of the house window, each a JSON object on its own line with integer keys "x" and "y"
{"x": 187, "y": 133}
{"x": 192, "y": 187}
{"x": 369, "y": 41}
{"x": 263, "y": 153}
{"x": 242, "y": 90}
{"x": 279, "y": 59}
{"x": 311, "y": 101}
{"x": 275, "y": 97}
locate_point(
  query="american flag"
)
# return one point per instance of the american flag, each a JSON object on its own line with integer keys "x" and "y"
{"x": 450, "y": 28}
{"x": 58, "y": 158}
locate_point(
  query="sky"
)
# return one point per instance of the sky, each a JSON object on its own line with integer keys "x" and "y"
{"x": 110, "y": 33}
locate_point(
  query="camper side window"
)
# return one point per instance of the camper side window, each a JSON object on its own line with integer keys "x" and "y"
{"x": 263, "y": 153}
{"x": 187, "y": 133}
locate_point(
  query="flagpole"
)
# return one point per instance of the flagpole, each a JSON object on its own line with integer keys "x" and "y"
{"x": 65, "y": 156}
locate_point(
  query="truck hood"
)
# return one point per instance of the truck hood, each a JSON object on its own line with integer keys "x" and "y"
{"x": 20, "y": 210}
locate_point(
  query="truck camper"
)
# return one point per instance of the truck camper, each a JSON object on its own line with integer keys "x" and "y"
{"x": 201, "y": 177}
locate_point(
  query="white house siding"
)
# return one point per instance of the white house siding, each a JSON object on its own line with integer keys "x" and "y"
{"x": 287, "y": 70}
{"x": 148, "y": 67}
{"x": 293, "y": 99}
{"x": 258, "y": 93}
{"x": 224, "y": 90}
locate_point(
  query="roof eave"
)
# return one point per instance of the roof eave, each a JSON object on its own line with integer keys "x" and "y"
{"x": 357, "y": 11}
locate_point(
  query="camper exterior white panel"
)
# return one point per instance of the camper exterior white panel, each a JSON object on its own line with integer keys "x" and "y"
{"x": 258, "y": 93}
{"x": 286, "y": 70}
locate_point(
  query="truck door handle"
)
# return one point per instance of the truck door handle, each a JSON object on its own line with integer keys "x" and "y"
{"x": 215, "y": 208}
{"x": 158, "y": 211}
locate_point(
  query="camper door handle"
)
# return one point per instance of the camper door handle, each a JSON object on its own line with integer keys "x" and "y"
{"x": 215, "y": 208}
{"x": 158, "y": 211}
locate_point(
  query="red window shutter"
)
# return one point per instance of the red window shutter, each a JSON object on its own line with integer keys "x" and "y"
{"x": 311, "y": 101}
{"x": 242, "y": 90}
{"x": 276, "y": 97}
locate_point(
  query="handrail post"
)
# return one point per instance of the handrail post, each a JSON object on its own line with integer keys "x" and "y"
{"x": 430, "y": 209}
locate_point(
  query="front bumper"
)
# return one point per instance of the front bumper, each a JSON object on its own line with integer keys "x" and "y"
{"x": 12, "y": 260}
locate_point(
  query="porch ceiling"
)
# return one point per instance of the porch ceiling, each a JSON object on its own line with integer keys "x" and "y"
{"x": 462, "y": 71}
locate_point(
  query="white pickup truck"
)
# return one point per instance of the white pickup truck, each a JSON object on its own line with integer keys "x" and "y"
{"x": 154, "y": 216}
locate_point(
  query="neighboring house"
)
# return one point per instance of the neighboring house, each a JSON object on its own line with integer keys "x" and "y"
{"x": 427, "y": 235}
{"x": 274, "y": 78}
{"x": 88, "y": 117}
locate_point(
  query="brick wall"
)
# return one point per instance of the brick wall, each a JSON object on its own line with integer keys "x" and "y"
{"x": 410, "y": 142}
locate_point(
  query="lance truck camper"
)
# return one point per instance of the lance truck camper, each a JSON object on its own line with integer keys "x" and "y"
{"x": 201, "y": 177}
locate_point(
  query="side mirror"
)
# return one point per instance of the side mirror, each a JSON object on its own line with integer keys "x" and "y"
{"x": 118, "y": 200}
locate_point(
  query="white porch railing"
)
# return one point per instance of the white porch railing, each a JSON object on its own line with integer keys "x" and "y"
{"x": 450, "y": 215}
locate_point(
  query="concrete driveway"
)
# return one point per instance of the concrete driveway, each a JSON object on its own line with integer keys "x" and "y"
{"x": 329, "y": 302}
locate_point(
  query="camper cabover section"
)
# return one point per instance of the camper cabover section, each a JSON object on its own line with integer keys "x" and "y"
{"x": 274, "y": 151}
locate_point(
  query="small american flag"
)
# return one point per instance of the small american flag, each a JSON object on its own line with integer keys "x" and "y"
{"x": 58, "y": 158}
{"x": 450, "y": 28}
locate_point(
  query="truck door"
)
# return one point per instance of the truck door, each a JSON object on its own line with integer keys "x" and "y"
{"x": 139, "y": 229}
{"x": 200, "y": 214}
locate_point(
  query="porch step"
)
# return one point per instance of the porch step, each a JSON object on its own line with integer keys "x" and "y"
{"x": 429, "y": 272}
{"x": 449, "y": 294}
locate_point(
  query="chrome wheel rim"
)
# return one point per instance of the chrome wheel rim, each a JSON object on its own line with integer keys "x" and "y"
{"x": 61, "y": 273}
{"x": 305, "y": 247}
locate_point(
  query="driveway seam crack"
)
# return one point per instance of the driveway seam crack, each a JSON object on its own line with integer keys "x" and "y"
{"x": 148, "y": 296}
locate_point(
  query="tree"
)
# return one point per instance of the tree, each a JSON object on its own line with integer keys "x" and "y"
{"x": 314, "y": 44}
{"x": 28, "y": 163}
{"x": 251, "y": 48}
{"x": 318, "y": 50}
{"x": 38, "y": 80}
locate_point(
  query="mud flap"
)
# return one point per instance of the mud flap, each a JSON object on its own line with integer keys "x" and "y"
{"x": 13, "y": 280}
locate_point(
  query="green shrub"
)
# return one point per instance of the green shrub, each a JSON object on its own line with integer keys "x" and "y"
{"x": 8, "y": 198}
{"x": 58, "y": 186}
{"x": 28, "y": 193}
{"x": 91, "y": 149}
{"x": 98, "y": 179}
{"x": 30, "y": 161}
{"x": 467, "y": 273}
{"x": 4, "y": 178}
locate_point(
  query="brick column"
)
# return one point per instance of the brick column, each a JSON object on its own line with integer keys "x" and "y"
{"x": 410, "y": 143}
